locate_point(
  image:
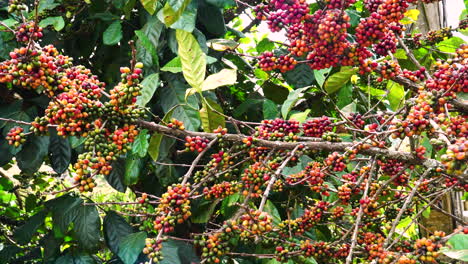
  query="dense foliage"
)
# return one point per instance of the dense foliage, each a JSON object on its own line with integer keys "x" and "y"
{"x": 174, "y": 132}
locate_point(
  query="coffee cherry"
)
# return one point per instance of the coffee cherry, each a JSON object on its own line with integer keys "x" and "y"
{"x": 174, "y": 208}
{"x": 195, "y": 143}
{"x": 28, "y": 31}
{"x": 317, "y": 127}
{"x": 16, "y": 136}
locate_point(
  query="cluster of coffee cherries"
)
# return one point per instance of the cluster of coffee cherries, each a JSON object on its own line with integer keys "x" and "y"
{"x": 174, "y": 208}
{"x": 221, "y": 190}
{"x": 216, "y": 245}
{"x": 311, "y": 217}
{"x": 16, "y": 6}
{"x": 435, "y": 36}
{"x": 335, "y": 162}
{"x": 278, "y": 129}
{"x": 317, "y": 127}
{"x": 413, "y": 41}
{"x": 126, "y": 92}
{"x": 455, "y": 159}
{"x": 28, "y": 31}
{"x": 152, "y": 250}
{"x": 254, "y": 223}
{"x": 312, "y": 175}
{"x": 372, "y": 5}
{"x": 176, "y": 124}
{"x": 16, "y": 136}
{"x": 357, "y": 120}
{"x": 427, "y": 248}
{"x": 415, "y": 76}
{"x": 33, "y": 69}
{"x": 463, "y": 24}
{"x": 268, "y": 62}
{"x": 451, "y": 76}
{"x": 254, "y": 177}
{"x": 415, "y": 123}
{"x": 195, "y": 143}
{"x": 386, "y": 45}
{"x": 393, "y": 168}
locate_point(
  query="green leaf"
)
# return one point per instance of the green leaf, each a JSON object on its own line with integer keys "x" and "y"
{"x": 174, "y": 95}
{"x": 396, "y": 95}
{"x": 270, "y": 109}
{"x": 460, "y": 254}
{"x": 140, "y": 145}
{"x": 222, "y": 44}
{"x": 76, "y": 141}
{"x": 59, "y": 152}
{"x": 87, "y": 226}
{"x": 221, "y": 78}
{"x": 133, "y": 165}
{"x": 64, "y": 210}
{"x": 265, "y": 45}
{"x": 79, "y": 258}
{"x": 115, "y": 229}
{"x": 51, "y": 246}
{"x": 7, "y": 252}
{"x": 128, "y": 7}
{"x": 300, "y": 76}
{"x": 149, "y": 5}
{"x": 211, "y": 120}
{"x": 148, "y": 41}
{"x": 192, "y": 58}
{"x": 130, "y": 247}
{"x": 228, "y": 202}
{"x": 31, "y": 156}
{"x": 354, "y": 16}
{"x": 211, "y": 17}
{"x": 320, "y": 75}
{"x": 46, "y": 5}
{"x": 187, "y": 20}
{"x": 117, "y": 174}
{"x": 24, "y": 233}
{"x": 174, "y": 65}
{"x": 113, "y": 34}
{"x": 150, "y": 84}
{"x": 204, "y": 211}
{"x": 300, "y": 116}
{"x": 6, "y": 156}
{"x": 155, "y": 141}
{"x": 458, "y": 241}
{"x": 178, "y": 252}
{"x": 450, "y": 45}
{"x": 57, "y": 22}
{"x": 345, "y": 96}
{"x": 147, "y": 45}
{"x": 169, "y": 16}
{"x": 271, "y": 209}
{"x": 291, "y": 101}
{"x": 339, "y": 79}
{"x": 222, "y": 3}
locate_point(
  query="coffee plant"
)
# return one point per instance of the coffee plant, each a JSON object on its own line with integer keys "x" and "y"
{"x": 172, "y": 132}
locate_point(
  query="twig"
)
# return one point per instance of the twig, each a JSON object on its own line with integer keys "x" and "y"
{"x": 405, "y": 205}
{"x": 273, "y": 178}
{"x": 196, "y": 160}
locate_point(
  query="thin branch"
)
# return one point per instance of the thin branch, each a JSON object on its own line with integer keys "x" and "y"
{"x": 273, "y": 178}
{"x": 312, "y": 145}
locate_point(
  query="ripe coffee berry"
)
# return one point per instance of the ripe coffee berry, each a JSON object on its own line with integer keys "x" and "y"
{"x": 317, "y": 127}
{"x": 28, "y": 31}
{"x": 195, "y": 143}
{"x": 176, "y": 124}
{"x": 16, "y": 136}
